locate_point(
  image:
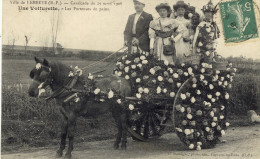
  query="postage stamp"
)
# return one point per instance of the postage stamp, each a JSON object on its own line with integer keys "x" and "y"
{"x": 239, "y": 20}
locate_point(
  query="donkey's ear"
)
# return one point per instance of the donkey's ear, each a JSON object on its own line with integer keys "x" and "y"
{"x": 45, "y": 62}
{"x": 37, "y": 60}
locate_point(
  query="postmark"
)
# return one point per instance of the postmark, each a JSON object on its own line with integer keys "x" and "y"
{"x": 238, "y": 20}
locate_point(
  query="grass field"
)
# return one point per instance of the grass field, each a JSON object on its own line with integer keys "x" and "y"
{"x": 30, "y": 122}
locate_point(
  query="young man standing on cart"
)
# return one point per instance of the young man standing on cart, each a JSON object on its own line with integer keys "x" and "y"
{"x": 136, "y": 31}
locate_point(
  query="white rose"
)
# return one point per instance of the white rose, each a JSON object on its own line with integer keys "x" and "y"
{"x": 221, "y": 117}
{"x": 200, "y": 44}
{"x": 182, "y": 64}
{"x": 191, "y": 146}
{"x": 202, "y": 77}
{"x": 207, "y": 53}
{"x": 164, "y": 90}
{"x": 194, "y": 85}
{"x": 222, "y": 107}
{"x": 160, "y": 78}
{"x": 139, "y": 65}
{"x": 90, "y": 76}
{"x": 71, "y": 74}
{"x": 215, "y": 119}
{"x": 199, "y": 143}
{"x": 225, "y": 83}
{"x": 198, "y": 49}
{"x": 110, "y": 94}
{"x": 170, "y": 70}
{"x": 175, "y": 75}
{"x": 178, "y": 85}
{"x": 222, "y": 78}
{"x": 187, "y": 131}
{"x": 211, "y": 86}
{"x": 218, "y": 94}
{"x": 207, "y": 129}
{"x": 235, "y": 69}
{"x": 228, "y": 75}
{"x": 97, "y": 90}
{"x": 183, "y": 96}
{"x": 227, "y": 96}
{"x": 209, "y": 96}
{"x": 205, "y": 82}
{"x": 138, "y": 95}
{"x": 158, "y": 90}
{"x": 217, "y": 72}
{"x": 190, "y": 15}
{"x": 213, "y": 124}
{"x": 140, "y": 90}
{"x": 227, "y": 124}
{"x": 202, "y": 70}
{"x": 144, "y": 62}
{"x": 190, "y": 71}
{"x": 119, "y": 73}
{"x": 138, "y": 80}
{"x": 38, "y": 66}
{"x": 186, "y": 74}
{"x": 219, "y": 83}
{"x": 189, "y": 116}
{"x": 187, "y": 94}
{"x": 131, "y": 107}
{"x": 211, "y": 114}
{"x": 146, "y": 90}
{"x": 182, "y": 109}
{"x": 192, "y": 100}
{"x": 172, "y": 94}
{"x": 119, "y": 101}
{"x": 127, "y": 77}
{"x": 223, "y": 132}
{"x": 198, "y": 92}
{"x": 198, "y": 148}
{"x": 133, "y": 66}
{"x": 142, "y": 57}
{"x": 127, "y": 62}
{"x": 179, "y": 129}
{"x": 152, "y": 71}
{"x": 213, "y": 100}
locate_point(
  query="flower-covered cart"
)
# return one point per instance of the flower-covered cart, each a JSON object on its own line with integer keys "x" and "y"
{"x": 193, "y": 95}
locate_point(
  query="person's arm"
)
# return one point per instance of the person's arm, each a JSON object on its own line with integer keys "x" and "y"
{"x": 144, "y": 36}
{"x": 127, "y": 34}
{"x": 195, "y": 39}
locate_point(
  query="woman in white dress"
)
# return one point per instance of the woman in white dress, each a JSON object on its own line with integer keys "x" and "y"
{"x": 161, "y": 31}
{"x": 183, "y": 42}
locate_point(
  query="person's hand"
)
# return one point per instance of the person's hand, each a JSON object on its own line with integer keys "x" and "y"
{"x": 135, "y": 41}
{"x": 151, "y": 51}
{"x": 126, "y": 43}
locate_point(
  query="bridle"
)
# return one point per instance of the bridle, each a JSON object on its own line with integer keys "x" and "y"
{"x": 48, "y": 80}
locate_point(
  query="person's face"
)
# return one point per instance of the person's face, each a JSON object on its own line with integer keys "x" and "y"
{"x": 180, "y": 11}
{"x": 208, "y": 16}
{"x": 138, "y": 6}
{"x": 163, "y": 12}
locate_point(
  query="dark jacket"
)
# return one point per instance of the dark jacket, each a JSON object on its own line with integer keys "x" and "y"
{"x": 142, "y": 27}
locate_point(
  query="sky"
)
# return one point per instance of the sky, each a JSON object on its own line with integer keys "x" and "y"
{"x": 97, "y": 30}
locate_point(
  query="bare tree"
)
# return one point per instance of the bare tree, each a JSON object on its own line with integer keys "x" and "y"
{"x": 13, "y": 39}
{"x": 55, "y": 23}
{"x": 27, "y": 39}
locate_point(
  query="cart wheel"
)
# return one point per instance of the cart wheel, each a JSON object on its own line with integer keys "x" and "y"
{"x": 147, "y": 122}
{"x": 199, "y": 123}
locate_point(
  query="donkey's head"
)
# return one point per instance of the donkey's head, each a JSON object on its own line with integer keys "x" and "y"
{"x": 41, "y": 77}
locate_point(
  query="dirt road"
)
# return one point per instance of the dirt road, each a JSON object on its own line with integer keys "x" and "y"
{"x": 241, "y": 142}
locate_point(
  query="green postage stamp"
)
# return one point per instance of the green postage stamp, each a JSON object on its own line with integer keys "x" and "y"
{"x": 238, "y": 20}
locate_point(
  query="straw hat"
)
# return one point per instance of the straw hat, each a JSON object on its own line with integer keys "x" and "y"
{"x": 140, "y": 1}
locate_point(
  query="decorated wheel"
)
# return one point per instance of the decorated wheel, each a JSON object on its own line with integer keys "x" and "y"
{"x": 199, "y": 111}
{"x": 148, "y": 121}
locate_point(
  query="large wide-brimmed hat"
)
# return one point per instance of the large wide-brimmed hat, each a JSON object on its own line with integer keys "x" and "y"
{"x": 163, "y": 5}
{"x": 180, "y": 4}
{"x": 140, "y": 1}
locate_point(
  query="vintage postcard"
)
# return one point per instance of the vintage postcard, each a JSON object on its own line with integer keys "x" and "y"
{"x": 130, "y": 79}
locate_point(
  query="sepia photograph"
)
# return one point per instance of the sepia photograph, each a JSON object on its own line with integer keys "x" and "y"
{"x": 144, "y": 79}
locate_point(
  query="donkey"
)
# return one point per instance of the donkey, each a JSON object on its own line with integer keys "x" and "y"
{"x": 55, "y": 75}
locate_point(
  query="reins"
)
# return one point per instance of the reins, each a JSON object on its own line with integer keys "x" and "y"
{"x": 72, "y": 81}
